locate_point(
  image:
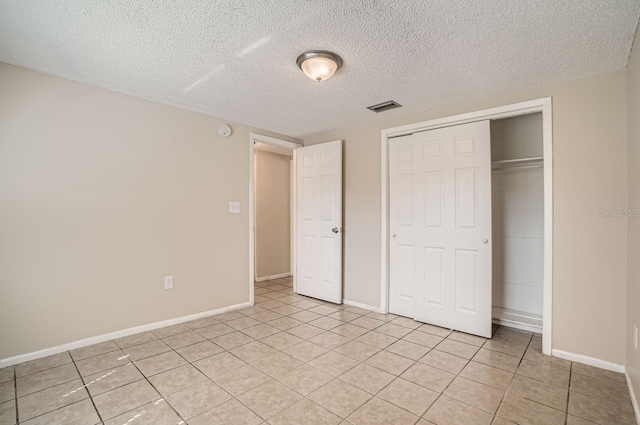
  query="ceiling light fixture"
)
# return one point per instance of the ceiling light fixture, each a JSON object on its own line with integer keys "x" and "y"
{"x": 319, "y": 65}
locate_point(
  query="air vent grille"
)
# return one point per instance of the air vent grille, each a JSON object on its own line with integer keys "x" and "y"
{"x": 384, "y": 106}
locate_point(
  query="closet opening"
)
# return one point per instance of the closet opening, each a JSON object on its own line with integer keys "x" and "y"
{"x": 517, "y": 218}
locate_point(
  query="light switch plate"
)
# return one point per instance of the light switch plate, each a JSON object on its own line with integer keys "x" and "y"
{"x": 168, "y": 282}
{"x": 234, "y": 207}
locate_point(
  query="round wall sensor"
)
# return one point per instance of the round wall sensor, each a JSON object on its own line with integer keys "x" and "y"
{"x": 224, "y": 130}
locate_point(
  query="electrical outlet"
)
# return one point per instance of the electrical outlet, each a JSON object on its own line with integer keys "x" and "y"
{"x": 168, "y": 282}
{"x": 635, "y": 337}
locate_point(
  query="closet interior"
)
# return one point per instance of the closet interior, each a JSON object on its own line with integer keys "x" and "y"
{"x": 517, "y": 180}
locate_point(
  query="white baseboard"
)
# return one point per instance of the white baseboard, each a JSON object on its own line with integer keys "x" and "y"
{"x": 634, "y": 399}
{"x": 579, "y": 358}
{"x": 363, "y": 306}
{"x": 275, "y": 276}
{"x": 10, "y": 361}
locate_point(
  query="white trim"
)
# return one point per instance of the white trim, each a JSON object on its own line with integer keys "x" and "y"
{"x": 632, "y": 393}
{"x": 10, "y": 361}
{"x": 362, "y": 306}
{"x": 272, "y": 277}
{"x": 253, "y": 230}
{"x": 294, "y": 242}
{"x": 506, "y": 111}
{"x": 517, "y": 320}
{"x": 547, "y": 279}
{"x": 292, "y": 216}
{"x": 591, "y": 361}
{"x": 538, "y": 105}
{"x": 255, "y": 137}
{"x": 384, "y": 223}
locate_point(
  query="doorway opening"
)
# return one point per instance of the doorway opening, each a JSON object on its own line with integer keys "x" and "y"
{"x": 271, "y": 212}
{"x": 272, "y": 165}
{"x": 315, "y": 217}
{"x": 453, "y": 160}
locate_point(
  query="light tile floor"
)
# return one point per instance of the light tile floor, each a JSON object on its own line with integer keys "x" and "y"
{"x": 295, "y": 360}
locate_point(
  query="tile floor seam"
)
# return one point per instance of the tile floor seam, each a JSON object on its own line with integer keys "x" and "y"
{"x": 504, "y": 394}
{"x": 440, "y": 395}
{"x": 566, "y": 412}
{"x": 85, "y": 388}
{"x": 359, "y": 406}
{"x": 159, "y": 393}
{"x": 256, "y": 413}
{"x": 15, "y": 392}
{"x": 566, "y": 417}
{"x": 265, "y": 421}
{"x": 390, "y": 402}
{"x": 190, "y": 386}
{"x": 144, "y": 377}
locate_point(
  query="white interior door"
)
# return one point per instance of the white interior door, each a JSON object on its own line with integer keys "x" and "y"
{"x": 319, "y": 221}
{"x": 440, "y": 227}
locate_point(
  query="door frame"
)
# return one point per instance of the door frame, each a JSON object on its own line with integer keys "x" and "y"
{"x": 543, "y": 105}
{"x": 255, "y": 137}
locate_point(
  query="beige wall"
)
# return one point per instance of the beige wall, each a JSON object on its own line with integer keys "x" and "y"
{"x": 273, "y": 214}
{"x": 101, "y": 196}
{"x": 633, "y": 202}
{"x": 589, "y": 136}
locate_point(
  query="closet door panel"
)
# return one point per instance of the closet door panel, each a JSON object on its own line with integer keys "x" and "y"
{"x": 404, "y": 218}
{"x": 452, "y": 229}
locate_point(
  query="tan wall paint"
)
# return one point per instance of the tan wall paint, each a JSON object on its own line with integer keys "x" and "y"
{"x": 101, "y": 196}
{"x": 589, "y": 136}
{"x": 273, "y": 214}
{"x": 633, "y": 202}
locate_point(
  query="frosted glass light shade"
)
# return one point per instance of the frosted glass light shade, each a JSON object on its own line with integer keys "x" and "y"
{"x": 319, "y": 65}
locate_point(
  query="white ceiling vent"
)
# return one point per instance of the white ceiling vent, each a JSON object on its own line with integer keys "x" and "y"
{"x": 384, "y": 106}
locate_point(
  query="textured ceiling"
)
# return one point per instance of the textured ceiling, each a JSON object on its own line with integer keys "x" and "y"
{"x": 235, "y": 59}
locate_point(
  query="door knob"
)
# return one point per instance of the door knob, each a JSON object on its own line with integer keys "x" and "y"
{"x": 485, "y": 241}
{"x": 335, "y": 230}
{"x": 393, "y": 236}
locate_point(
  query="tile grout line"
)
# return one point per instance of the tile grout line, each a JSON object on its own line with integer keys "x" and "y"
{"x": 15, "y": 392}
{"x": 441, "y": 394}
{"x": 506, "y": 391}
{"x": 566, "y": 416}
{"x": 44, "y": 389}
{"x": 85, "y": 387}
{"x": 162, "y": 397}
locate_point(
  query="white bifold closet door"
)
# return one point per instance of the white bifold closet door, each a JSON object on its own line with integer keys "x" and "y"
{"x": 318, "y": 271}
{"x": 440, "y": 227}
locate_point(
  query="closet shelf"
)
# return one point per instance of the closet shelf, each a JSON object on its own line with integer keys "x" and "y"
{"x": 536, "y": 161}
